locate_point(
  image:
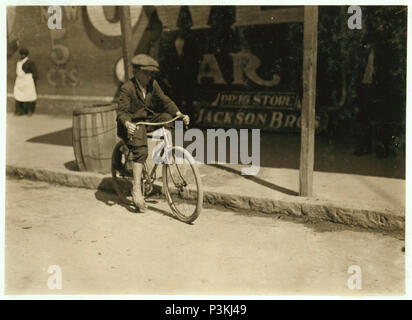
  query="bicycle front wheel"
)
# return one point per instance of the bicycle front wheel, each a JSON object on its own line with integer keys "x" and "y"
{"x": 182, "y": 185}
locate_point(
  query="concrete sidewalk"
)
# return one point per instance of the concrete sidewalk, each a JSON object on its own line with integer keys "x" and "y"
{"x": 40, "y": 147}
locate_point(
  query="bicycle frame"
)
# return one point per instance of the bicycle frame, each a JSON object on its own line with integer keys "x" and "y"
{"x": 167, "y": 140}
{"x": 177, "y": 181}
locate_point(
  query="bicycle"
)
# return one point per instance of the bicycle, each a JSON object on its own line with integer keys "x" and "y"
{"x": 181, "y": 180}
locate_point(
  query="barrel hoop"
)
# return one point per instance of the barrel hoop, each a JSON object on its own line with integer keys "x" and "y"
{"x": 97, "y": 158}
{"x": 94, "y": 135}
{"x": 94, "y": 109}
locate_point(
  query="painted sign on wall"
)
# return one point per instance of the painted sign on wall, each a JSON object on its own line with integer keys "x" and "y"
{"x": 225, "y": 65}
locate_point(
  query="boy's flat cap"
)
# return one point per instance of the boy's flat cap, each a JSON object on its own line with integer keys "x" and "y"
{"x": 145, "y": 62}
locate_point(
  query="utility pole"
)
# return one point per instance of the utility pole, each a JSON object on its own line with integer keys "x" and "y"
{"x": 126, "y": 28}
{"x": 307, "y": 148}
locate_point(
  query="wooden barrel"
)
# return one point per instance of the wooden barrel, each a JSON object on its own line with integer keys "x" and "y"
{"x": 94, "y": 137}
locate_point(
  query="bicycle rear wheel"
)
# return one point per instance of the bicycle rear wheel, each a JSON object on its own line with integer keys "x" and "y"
{"x": 182, "y": 185}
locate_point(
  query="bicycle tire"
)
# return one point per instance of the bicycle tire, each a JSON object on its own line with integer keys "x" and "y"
{"x": 192, "y": 196}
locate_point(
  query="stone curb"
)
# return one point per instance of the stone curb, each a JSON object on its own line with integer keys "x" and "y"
{"x": 306, "y": 209}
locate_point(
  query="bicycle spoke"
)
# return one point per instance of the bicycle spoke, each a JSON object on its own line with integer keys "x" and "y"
{"x": 182, "y": 187}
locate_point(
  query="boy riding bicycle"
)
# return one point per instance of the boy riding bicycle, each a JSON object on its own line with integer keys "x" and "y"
{"x": 142, "y": 99}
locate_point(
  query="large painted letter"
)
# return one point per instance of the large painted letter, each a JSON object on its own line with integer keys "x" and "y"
{"x": 209, "y": 68}
{"x": 245, "y": 63}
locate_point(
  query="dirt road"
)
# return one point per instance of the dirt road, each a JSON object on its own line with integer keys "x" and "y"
{"x": 102, "y": 248}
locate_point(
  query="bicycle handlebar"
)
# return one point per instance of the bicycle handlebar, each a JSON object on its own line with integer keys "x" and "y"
{"x": 158, "y": 123}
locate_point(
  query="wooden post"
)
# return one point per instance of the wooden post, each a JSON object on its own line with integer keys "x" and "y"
{"x": 307, "y": 148}
{"x": 126, "y": 28}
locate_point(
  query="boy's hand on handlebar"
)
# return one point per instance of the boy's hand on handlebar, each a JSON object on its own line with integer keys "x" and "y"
{"x": 185, "y": 117}
{"x": 131, "y": 127}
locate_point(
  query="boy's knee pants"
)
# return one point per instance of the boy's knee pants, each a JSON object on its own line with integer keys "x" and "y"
{"x": 138, "y": 145}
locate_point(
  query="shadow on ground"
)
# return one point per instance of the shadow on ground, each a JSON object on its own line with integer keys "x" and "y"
{"x": 60, "y": 138}
{"x": 72, "y": 165}
{"x": 108, "y": 196}
{"x": 111, "y": 199}
{"x": 257, "y": 180}
{"x": 320, "y": 226}
{"x": 281, "y": 150}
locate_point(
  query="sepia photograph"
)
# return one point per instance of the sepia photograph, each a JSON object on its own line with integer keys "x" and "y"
{"x": 193, "y": 150}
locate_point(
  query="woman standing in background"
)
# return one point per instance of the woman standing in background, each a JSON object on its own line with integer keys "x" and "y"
{"x": 25, "y": 86}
